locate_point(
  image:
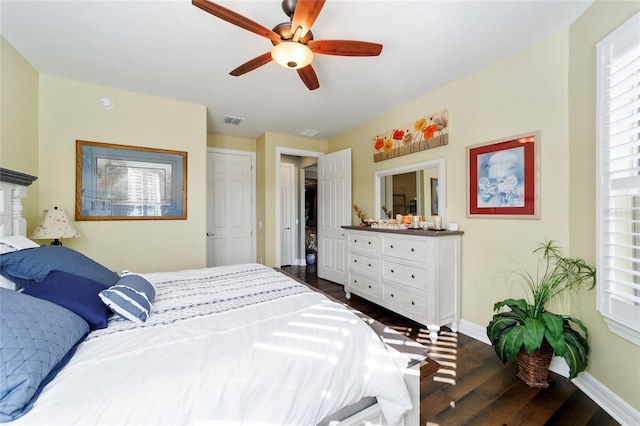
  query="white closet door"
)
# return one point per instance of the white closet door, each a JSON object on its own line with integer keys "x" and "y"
{"x": 230, "y": 209}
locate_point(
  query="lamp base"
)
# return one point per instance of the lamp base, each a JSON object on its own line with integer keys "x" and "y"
{"x": 56, "y": 242}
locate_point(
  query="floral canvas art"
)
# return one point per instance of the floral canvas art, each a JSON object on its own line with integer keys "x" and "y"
{"x": 425, "y": 133}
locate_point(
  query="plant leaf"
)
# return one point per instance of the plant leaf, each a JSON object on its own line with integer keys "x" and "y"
{"x": 519, "y": 305}
{"x": 533, "y": 334}
{"x": 554, "y": 332}
{"x": 579, "y": 323}
{"x": 499, "y": 324}
{"x": 511, "y": 343}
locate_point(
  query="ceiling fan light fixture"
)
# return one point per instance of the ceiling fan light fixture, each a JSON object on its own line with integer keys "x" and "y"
{"x": 292, "y": 55}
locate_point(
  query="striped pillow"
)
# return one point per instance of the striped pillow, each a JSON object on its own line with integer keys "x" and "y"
{"x": 130, "y": 298}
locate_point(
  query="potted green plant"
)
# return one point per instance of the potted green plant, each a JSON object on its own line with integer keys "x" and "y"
{"x": 530, "y": 333}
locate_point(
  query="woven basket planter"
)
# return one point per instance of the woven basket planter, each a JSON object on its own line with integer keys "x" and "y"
{"x": 533, "y": 369}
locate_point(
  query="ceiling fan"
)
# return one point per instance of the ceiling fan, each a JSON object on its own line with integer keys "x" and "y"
{"x": 293, "y": 41}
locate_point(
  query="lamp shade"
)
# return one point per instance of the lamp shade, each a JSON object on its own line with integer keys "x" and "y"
{"x": 54, "y": 223}
{"x": 292, "y": 55}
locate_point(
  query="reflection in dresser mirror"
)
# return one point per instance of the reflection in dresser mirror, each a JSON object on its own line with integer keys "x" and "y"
{"x": 416, "y": 189}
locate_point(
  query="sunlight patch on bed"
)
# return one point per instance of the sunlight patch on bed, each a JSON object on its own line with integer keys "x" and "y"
{"x": 289, "y": 350}
{"x": 330, "y": 317}
{"x": 339, "y": 345}
{"x": 316, "y": 326}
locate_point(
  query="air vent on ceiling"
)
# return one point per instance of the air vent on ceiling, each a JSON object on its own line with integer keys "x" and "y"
{"x": 232, "y": 120}
{"x": 309, "y": 132}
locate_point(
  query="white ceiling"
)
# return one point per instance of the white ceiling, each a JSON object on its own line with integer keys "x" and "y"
{"x": 173, "y": 49}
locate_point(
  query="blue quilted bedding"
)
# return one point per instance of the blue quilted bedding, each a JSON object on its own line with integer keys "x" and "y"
{"x": 36, "y": 339}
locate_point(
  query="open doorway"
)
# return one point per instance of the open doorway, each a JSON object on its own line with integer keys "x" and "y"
{"x": 334, "y": 209}
{"x": 310, "y": 214}
{"x": 304, "y": 164}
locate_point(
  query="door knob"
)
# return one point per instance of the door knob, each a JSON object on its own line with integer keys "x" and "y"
{"x": 209, "y": 234}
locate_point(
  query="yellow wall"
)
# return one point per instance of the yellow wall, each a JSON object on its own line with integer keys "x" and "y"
{"x": 19, "y": 120}
{"x": 613, "y": 361}
{"x": 525, "y": 92}
{"x": 69, "y": 111}
{"x": 230, "y": 142}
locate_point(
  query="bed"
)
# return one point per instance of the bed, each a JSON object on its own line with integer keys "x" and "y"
{"x": 234, "y": 345}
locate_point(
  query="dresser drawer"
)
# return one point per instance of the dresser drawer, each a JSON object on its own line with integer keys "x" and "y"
{"x": 365, "y": 242}
{"x": 365, "y": 286}
{"x": 413, "y": 276}
{"x": 405, "y": 302}
{"x": 406, "y": 248}
{"x": 363, "y": 264}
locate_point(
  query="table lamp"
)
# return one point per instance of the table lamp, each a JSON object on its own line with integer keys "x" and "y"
{"x": 54, "y": 224}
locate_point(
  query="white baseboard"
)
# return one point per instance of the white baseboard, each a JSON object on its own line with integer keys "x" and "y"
{"x": 617, "y": 408}
{"x": 476, "y": 331}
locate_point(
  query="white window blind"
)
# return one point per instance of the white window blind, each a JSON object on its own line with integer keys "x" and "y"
{"x": 618, "y": 216}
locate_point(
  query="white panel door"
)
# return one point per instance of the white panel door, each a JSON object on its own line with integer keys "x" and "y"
{"x": 287, "y": 198}
{"x": 334, "y": 211}
{"x": 229, "y": 209}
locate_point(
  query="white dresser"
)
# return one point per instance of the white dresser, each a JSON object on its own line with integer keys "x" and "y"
{"x": 412, "y": 272}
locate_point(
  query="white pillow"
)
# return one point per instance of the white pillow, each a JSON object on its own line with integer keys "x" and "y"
{"x": 17, "y": 241}
{"x": 13, "y": 243}
{"x": 5, "y": 283}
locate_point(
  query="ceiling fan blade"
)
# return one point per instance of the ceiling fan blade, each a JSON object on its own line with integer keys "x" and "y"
{"x": 236, "y": 19}
{"x": 308, "y": 77}
{"x": 345, "y": 47}
{"x": 252, "y": 64}
{"x": 305, "y": 15}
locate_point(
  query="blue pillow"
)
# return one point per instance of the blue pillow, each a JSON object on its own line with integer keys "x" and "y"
{"x": 29, "y": 266}
{"x": 37, "y": 339}
{"x": 78, "y": 294}
{"x": 130, "y": 298}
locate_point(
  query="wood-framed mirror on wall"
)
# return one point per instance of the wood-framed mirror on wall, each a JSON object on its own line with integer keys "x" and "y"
{"x": 409, "y": 190}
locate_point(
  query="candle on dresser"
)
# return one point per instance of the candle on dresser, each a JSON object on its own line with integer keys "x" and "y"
{"x": 437, "y": 222}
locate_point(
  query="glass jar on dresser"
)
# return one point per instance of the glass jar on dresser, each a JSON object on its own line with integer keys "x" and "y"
{"x": 415, "y": 273}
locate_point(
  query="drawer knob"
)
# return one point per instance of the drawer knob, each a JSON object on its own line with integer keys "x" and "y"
{"x": 412, "y": 249}
{"x": 392, "y": 271}
{"x": 355, "y": 241}
{"x": 355, "y": 281}
{"x": 391, "y": 246}
{"x": 369, "y": 265}
{"x": 369, "y": 285}
{"x": 413, "y": 303}
{"x": 369, "y": 243}
{"x": 413, "y": 276}
{"x": 355, "y": 260}
{"x": 391, "y": 294}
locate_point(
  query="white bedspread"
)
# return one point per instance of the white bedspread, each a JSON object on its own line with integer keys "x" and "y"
{"x": 265, "y": 352}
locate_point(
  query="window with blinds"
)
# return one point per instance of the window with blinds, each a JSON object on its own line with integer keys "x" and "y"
{"x": 618, "y": 162}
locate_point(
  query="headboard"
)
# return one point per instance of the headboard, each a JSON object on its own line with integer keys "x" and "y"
{"x": 13, "y": 188}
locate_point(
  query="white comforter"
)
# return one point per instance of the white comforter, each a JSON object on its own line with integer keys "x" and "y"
{"x": 291, "y": 357}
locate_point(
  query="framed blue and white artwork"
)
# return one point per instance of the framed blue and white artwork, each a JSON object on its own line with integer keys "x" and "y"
{"x": 503, "y": 178}
{"x": 121, "y": 182}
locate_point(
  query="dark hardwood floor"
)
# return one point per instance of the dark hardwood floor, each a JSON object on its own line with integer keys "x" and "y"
{"x": 473, "y": 387}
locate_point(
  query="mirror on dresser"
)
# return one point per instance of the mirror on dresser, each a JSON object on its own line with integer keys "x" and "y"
{"x": 417, "y": 189}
